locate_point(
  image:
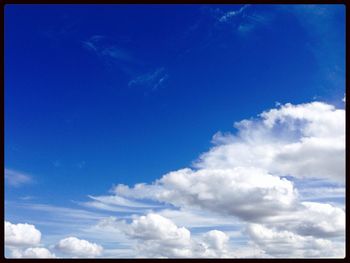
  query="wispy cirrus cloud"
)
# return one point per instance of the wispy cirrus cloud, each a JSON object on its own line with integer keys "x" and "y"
{"x": 153, "y": 80}
{"x": 230, "y": 14}
{"x": 16, "y": 178}
{"x": 112, "y": 53}
{"x": 245, "y": 19}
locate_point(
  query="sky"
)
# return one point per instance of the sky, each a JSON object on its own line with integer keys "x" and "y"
{"x": 174, "y": 130}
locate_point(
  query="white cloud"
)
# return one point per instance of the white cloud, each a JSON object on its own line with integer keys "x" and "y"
{"x": 215, "y": 243}
{"x": 254, "y": 192}
{"x": 160, "y": 237}
{"x": 288, "y": 244}
{"x": 120, "y": 201}
{"x": 21, "y": 234}
{"x": 311, "y": 219}
{"x": 322, "y": 220}
{"x": 16, "y": 178}
{"x": 79, "y": 247}
{"x": 303, "y": 141}
{"x": 198, "y": 218}
{"x": 32, "y": 252}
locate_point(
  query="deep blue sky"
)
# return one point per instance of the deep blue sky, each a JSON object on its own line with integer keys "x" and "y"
{"x": 97, "y": 95}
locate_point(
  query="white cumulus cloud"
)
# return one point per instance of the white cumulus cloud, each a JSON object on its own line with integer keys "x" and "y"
{"x": 303, "y": 141}
{"x": 288, "y": 244}
{"x": 245, "y": 192}
{"x": 159, "y": 237}
{"x": 21, "y": 234}
{"x": 32, "y": 252}
{"x": 79, "y": 247}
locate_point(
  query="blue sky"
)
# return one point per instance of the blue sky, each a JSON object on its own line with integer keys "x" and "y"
{"x": 101, "y": 95}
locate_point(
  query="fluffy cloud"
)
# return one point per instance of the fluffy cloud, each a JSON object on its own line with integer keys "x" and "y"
{"x": 215, "y": 244}
{"x": 158, "y": 236}
{"x": 253, "y": 192}
{"x": 21, "y": 234}
{"x": 78, "y": 247}
{"x": 36, "y": 252}
{"x": 288, "y": 244}
{"x": 311, "y": 219}
{"x": 320, "y": 220}
{"x": 303, "y": 141}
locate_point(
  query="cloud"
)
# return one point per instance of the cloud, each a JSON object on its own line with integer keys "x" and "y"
{"x": 158, "y": 236}
{"x": 21, "y": 234}
{"x": 215, "y": 243}
{"x": 16, "y": 178}
{"x": 32, "y": 252}
{"x": 244, "y": 21}
{"x": 311, "y": 219}
{"x": 229, "y": 15}
{"x": 111, "y": 52}
{"x": 255, "y": 193}
{"x": 303, "y": 141}
{"x": 152, "y": 80}
{"x": 103, "y": 46}
{"x": 120, "y": 201}
{"x": 59, "y": 212}
{"x": 117, "y": 204}
{"x": 78, "y": 247}
{"x": 197, "y": 218}
{"x": 288, "y": 244}
{"x": 320, "y": 220}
